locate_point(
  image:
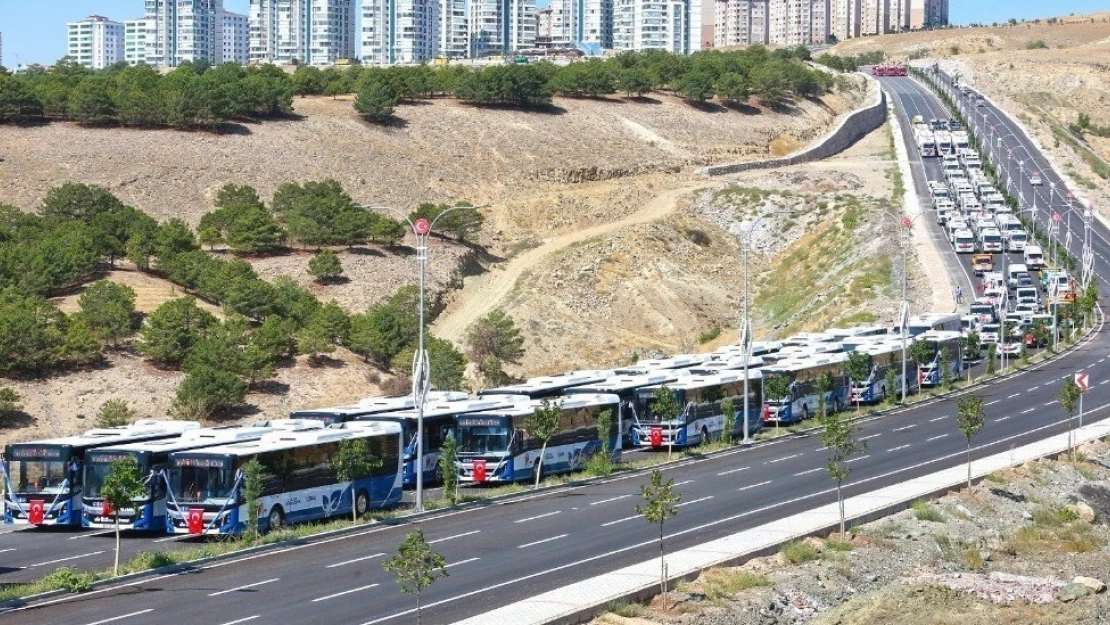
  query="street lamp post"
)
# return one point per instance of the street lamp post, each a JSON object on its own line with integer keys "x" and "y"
{"x": 906, "y": 223}
{"x": 421, "y": 367}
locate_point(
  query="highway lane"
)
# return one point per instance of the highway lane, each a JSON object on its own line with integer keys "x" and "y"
{"x": 509, "y": 551}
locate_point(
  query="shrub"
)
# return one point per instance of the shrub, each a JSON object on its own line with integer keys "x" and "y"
{"x": 721, "y": 583}
{"x": 66, "y": 578}
{"x": 114, "y": 413}
{"x": 924, "y": 511}
{"x": 325, "y": 266}
{"x": 798, "y": 552}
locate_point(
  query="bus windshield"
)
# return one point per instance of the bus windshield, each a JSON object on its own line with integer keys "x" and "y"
{"x": 98, "y": 466}
{"x": 38, "y": 476}
{"x": 483, "y": 439}
{"x": 196, "y": 484}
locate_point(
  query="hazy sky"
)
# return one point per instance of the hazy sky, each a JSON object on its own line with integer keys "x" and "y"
{"x": 34, "y": 30}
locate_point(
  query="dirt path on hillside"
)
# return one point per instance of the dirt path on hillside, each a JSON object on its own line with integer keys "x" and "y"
{"x": 483, "y": 293}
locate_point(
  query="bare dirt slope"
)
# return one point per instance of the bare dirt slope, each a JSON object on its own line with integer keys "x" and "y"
{"x": 1045, "y": 88}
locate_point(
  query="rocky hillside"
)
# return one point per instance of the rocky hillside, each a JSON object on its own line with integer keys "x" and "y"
{"x": 1027, "y": 545}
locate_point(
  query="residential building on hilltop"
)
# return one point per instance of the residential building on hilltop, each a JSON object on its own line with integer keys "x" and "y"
{"x": 312, "y": 32}
{"x": 400, "y": 31}
{"x": 185, "y": 30}
{"x": 95, "y": 42}
{"x": 740, "y": 22}
{"x": 671, "y": 25}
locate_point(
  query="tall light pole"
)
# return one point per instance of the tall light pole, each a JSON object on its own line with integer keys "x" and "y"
{"x": 421, "y": 367}
{"x": 904, "y": 239}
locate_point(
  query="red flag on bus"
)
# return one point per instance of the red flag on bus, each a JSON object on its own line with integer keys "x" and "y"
{"x": 196, "y": 520}
{"x": 656, "y": 437}
{"x": 105, "y": 508}
{"x": 37, "y": 512}
{"x": 479, "y": 471}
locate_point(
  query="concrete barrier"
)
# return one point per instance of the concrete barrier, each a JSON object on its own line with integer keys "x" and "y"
{"x": 852, "y": 128}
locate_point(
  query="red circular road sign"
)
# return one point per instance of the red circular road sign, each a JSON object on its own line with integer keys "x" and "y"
{"x": 1056, "y": 217}
{"x": 906, "y": 222}
{"x": 422, "y": 226}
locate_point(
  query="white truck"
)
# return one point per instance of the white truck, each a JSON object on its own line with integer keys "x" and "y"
{"x": 1034, "y": 257}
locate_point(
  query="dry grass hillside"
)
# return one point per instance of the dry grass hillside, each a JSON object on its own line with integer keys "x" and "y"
{"x": 1044, "y": 73}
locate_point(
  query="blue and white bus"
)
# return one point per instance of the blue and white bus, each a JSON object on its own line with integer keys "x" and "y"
{"x": 152, "y": 458}
{"x": 494, "y": 446}
{"x": 700, "y": 397}
{"x": 548, "y": 386}
{"x": 439, "y": 423}
{"x": 801, "y": 373}
{"x": 43, "y": 478}
{"x": 206, "y": 486}
{"x": 625, "y": 387}
{"x": 944, "y": 322}
{"x": 372, "y": 405}
{"x": 951, "y": 343}
{"x": 886, "y": 355}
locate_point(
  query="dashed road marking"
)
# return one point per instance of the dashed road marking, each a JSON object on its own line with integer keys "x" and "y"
{"x": 764, "y": 483}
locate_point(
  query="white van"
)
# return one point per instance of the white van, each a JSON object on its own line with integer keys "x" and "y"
{"x": 964, "y": 242}
{"x": 990, "y": 240}
{"x": 1014, "y": 271}
{"x": 1027, "y": 295}
{"x": 1016, "y": 241}
{"x": 1034, "y": 257}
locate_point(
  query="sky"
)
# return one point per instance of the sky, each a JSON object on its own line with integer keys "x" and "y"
{"x": 34, "y": 30}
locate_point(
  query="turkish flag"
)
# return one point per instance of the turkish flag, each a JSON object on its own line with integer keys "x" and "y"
{"x": 766, "y": 412}
{"x": 479, "y": 471}
{"x": 196, "y": 520}
{"x": 656, "y": 437}
{"x": 37, "y": 511}
{"x": 105, "y": 508}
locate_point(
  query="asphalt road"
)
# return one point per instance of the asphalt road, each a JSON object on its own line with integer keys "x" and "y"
{"x": 509, "y": 551}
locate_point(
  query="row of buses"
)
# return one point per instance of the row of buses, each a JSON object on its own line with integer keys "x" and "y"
{"x": 195, "y": 476}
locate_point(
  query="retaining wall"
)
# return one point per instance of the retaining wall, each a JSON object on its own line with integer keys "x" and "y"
{"x": 850, "y": 129}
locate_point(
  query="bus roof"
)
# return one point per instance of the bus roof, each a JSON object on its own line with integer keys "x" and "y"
{"x": 548, "y": 384}
{"x": 209, "y": 437}
{"x": 440, "y": 409}
{"x": 940, "y": 335}
{"x": 277, "y": 441}
{"x": 626, "y": 382}
{"x": 680, "y": 361}
{"x": 802, "y": 363}
{"x": 735, "y": 363}
{"x": 140, "y": 430}
{"x": 566, "y": 402}
{"x": 688, "y": 382}
{"x": 370, "y": 405}
{"x": 759, "y": 348}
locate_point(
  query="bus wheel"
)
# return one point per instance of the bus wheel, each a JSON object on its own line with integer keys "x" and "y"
{"x": 704, "y": 434}
{"x": 362, "y": 503}
{"x": 277, "y": 518}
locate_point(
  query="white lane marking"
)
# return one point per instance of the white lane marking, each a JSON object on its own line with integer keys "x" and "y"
{"x": 627, "y": 518}
{"x": 538, "y": 516}
{"x": 447, "y": 538}
{"x": 238, "y": 588}
{"x": 346, "y": 562}
{"x": 121, "y": 617}
{"x": 1002, "y": 418}
{"x": 801, "y": 473}
{"x": 540, "y": 542}
{"x": 597, "y": 503}
{"x": 243, "y": 620}
{"x": 1033, "y": 388}
{"x": 345, "y": 592}
{"x": 83, "y": 555}
{"x": 904, "y": 427}
{"x": 938, "y": 419}
{"x": 822, "y": 448}
{"x": 7, "y": 550}
{"x": 898, "y": 448}
{"x": 1027, "y": 411}
{"x": 1103, "y": 382}
{"x": 171, "y": 538}
{"x": 937, "y": 437}
{"x": 742, "y": 488}
{"x": 1013, "y": 396}
{"x": 693, "y": 501}
{"x": 871, "y": 436}
{"x": 991, "y": 403}
{"x": 460, "y": 562}
{"x": 858, "y": 459}
{"x": 1048, "y": 403}
{"x": 781, "y": 459}
{"x": 731, "y": 471}
{"x": 684, "y": 482}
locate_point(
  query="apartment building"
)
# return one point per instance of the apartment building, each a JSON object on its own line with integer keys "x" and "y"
{"x": 95, "y": 42}
{"x": 313, "y": 32}
{"x": 844, "y": 19}
{"x": 928, "y": 14}
{"x": 798, "y": 22}
{"x": 138, "y": 39}
{"x": 501, "y": 26}
{"x": 544, "y": 38}
{"x": 453, "y": 29}
{"x": 185, "y": 30}
{"x": 741, "y": 22}
{"x": 670, "y": 25}
{"x": 399, "y": 32}
{"x": 236, "y": 38}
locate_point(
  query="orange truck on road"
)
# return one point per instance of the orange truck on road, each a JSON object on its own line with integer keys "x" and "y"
{"x": 982, "y": 263}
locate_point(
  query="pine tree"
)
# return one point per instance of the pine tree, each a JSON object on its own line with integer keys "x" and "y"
{"x": 375, "y": 101}
{"x": 325, "y": 266}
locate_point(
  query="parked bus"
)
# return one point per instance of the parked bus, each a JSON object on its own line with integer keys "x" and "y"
{"x": 152, "y": 458}
{"x": 372, "y": 405}
{"x": 945, "y": 322}
{"x": 625, "y": 387}
{"x": 700, "y": 397}
{"x": 494, "y": 446}
{"x": 43, "y": 478}
{"x": 886, "y": 355}
{"x": 929, "y": 373}
{"x": 801, "y": 373}
{"x": 298, "y": 483}
{"x": 548, "y": 386}
{"x": 439, "y": 423}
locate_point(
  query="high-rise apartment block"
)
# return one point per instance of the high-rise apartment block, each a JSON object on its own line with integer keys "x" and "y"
{"x": 312, "y": 32}
{"x": 501, "y": 26}
{"x": 399, "y": 31}
{"x": 670, "y": 25}
{"x": 454, "y": 29}
{"x": 185, "y": 30}
{"x": 808, "y": 22}
{"x": 741, "y": 23}
{"x": 928, "y": 14}
{"x": 236, "y": 38}
{"x": 138, "y": 40}
{"x": 95, "y": 42}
